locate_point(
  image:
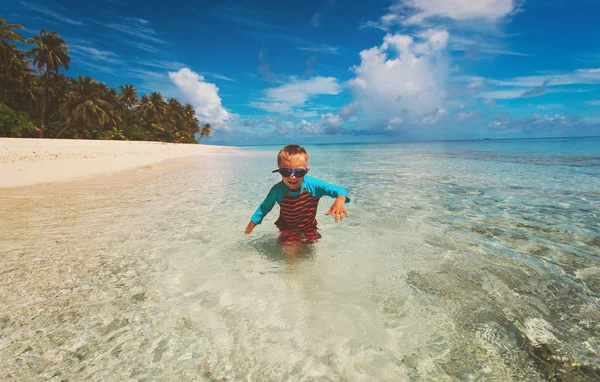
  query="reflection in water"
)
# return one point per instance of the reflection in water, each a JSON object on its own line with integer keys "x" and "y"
{"x": 445, "y": 270}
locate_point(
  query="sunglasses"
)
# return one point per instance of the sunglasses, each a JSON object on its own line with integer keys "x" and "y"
{"x": 287, "y": 172}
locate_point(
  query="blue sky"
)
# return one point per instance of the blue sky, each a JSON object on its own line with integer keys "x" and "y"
{"x": 331, "y": 71}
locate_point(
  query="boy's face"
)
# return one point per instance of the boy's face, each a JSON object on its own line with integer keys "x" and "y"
{"x": 293, "y": 163}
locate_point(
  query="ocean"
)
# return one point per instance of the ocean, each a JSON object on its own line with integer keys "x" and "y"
{"x": 466, "y": 260}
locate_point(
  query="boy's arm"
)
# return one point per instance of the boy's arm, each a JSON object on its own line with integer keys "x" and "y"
{"x": 264, "y": 208}
{"x": 321, "y": 188}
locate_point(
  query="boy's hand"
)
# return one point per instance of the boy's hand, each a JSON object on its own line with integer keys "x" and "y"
{"x": 250, "y": 227}
{"x": 337, "y": 209}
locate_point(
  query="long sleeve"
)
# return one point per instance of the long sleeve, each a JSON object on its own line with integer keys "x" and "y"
{"x": 319, "y": 188}
{"x": 274, "y": 195}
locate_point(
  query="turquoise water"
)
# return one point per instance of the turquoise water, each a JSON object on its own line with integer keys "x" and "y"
{"x": 475, "y": 260}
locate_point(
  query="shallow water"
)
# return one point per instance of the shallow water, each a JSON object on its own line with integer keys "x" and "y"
{"x": 460, "y": 261}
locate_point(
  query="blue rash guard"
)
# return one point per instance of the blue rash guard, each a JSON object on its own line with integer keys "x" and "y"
{"x": 298, "y": 209}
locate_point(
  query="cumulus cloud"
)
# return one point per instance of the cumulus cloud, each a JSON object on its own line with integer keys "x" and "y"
{"x": 295, "y": 93}
{"x": 403, "y": 76}
{"x": 308, "y": 128}
{"x": 332, "y": 120}
{"x": 203, "y": 95}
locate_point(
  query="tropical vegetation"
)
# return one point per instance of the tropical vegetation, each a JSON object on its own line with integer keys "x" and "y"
{"x": 38, "y": 100}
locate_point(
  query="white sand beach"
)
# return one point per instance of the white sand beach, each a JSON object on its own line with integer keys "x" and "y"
{"x": 31, "y": 161}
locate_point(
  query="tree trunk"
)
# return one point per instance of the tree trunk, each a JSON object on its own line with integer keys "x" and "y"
{"x": 62, "y": 131}
{"x": 43, "y": 113}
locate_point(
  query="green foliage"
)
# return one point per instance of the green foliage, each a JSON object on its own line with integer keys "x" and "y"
{"x": 15, "y": 124}
{"x": 32, "y": 88}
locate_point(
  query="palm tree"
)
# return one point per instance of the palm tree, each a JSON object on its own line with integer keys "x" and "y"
{"x": 13, "y": 64}
{"x": 87, "y": 104}
{"x": 14, "y": 74}
{"x": 175, "y": 124}
{"x": 205, "y": 131}
{"x": 8, "y": 35}
{"x": 175, "y": 108}
{"x": 191, "y": 123}
{"x": 129, "y": 98}
{"x": 153, "y": 107}
{"x": 49, "y": 56}
{"x": 153, "y": 111}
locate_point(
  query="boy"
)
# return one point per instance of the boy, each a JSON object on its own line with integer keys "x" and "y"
{"x": 298, "y": 196}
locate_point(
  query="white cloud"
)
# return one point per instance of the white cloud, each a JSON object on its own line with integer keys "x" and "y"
{"x": 457, "y": 9}
{"x": 545, "y": 125}
{"x": 433, "y": 117}
{"x": 579, "y": 76}
{"x": 141, "y": 21}
{"x": 331, "y": 119}
{"x": 273, "y": 107}
{"x": 307, "y": 114}
{"x": 220, "y": 77}
{"x": 296, "y": 92}
{"x": 52, "y": 14}
{"x": 474, "y": 46}
{"x": 348, "y": 111}
{"x": 202, "y": 95}
{"x": 411, "y": 83}
{"x": 465, "y": 116}
{"x": 553, "y": 106}
{"x": 534, "y": 86}
{"x": 476, "y": 82}
{"x": 308, "y": 128}
{"x": 171, "y": 65}
{"x": 322, "y": 49}
{"x": 415, "y": 12}
{"x": 505, "y": 94}
{"x": 100, "y": 56}
{"x": 134, "y": 30}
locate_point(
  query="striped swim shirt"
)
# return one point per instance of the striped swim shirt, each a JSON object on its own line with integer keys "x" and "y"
{"x": 297, "y": 209}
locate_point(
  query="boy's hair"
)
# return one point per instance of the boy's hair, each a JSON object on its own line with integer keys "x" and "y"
{"x": 291, "y": 151}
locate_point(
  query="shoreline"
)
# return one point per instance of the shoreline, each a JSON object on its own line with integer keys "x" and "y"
{"x": 30, "y": 161}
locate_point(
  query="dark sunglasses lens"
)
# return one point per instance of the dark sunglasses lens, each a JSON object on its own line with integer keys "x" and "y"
{"x": 300, "y": 173}
{"x": 285, "y": 172}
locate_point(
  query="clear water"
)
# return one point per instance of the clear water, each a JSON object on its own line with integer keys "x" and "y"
{"x": 460, "y": 261}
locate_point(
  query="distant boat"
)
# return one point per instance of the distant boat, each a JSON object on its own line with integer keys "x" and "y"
{"x": 486, "y": 139}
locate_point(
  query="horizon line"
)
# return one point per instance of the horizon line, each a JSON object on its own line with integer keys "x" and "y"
{"x": 415, "y": 141}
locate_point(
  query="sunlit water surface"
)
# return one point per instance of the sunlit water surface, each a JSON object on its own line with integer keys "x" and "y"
{"x": 460, "y": 261}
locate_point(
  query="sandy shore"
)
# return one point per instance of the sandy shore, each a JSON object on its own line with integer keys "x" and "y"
{"x": 31, "y": 161}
